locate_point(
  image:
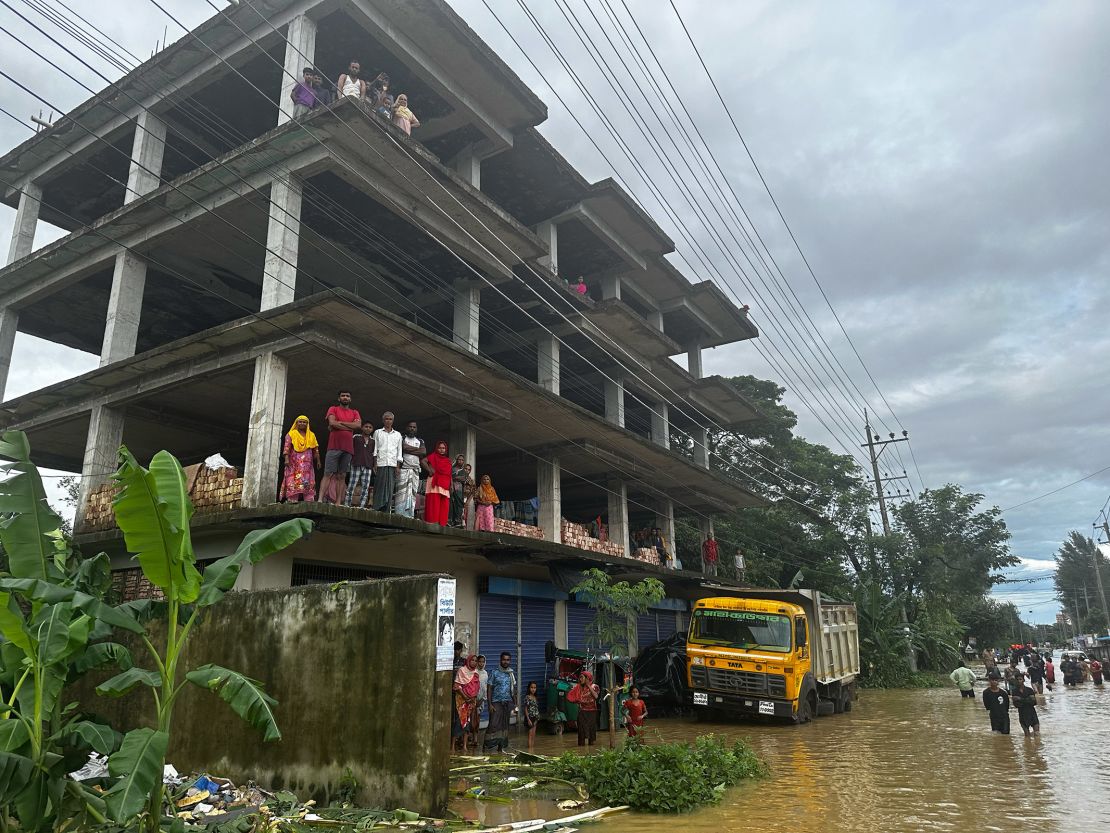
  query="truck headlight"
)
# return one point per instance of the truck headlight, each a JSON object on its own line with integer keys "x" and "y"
{"x": 697, "y": 660}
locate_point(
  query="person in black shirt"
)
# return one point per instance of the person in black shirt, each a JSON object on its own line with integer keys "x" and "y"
{"x": 1025, "y": 699}
{"x": 1036, "y": 674}
{"x": 997, "y": 702}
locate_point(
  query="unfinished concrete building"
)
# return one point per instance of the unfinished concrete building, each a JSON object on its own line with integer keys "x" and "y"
{"x": 234, "y": 267}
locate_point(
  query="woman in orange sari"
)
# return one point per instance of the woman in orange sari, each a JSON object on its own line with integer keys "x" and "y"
{"x": 466, "y": 687}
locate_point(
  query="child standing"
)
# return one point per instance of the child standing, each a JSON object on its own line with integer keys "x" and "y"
{"x": 635, "y": 711}
{"x": 532, "y": 713}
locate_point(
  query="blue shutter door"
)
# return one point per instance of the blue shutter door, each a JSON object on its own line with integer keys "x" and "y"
{"x": 496, "y": 627}
{"x": 668, "y": 623}
{"x": 579, "y": 615}
{"x": 537, "y": 627}
{"x": 647, "y": 630}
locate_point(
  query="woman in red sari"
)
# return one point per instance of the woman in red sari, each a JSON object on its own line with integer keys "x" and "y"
{"x": 467, "y": 683}
{"x": 437, "y": 495}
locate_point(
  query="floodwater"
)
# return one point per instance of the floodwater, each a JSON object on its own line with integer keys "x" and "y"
{"x": 900, "y": 761}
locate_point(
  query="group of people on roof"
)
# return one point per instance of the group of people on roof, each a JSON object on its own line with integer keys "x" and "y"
{"x": 316, "y": 90}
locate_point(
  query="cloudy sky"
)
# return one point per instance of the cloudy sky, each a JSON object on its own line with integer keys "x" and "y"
{"x": 942, "y": 165}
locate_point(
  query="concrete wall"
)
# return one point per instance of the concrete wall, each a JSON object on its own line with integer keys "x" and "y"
{"x": 353, "y": 671}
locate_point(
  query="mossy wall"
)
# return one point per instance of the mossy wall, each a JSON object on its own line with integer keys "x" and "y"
{"x": 353, "y": 671}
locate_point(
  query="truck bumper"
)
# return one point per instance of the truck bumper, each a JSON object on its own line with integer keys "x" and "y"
{"x": 741, "y": 704}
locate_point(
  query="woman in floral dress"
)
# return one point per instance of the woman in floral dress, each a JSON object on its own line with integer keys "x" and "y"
{"x": 302, "y": 457}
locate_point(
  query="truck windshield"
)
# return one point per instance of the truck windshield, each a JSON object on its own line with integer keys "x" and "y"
{"x": 741, "y": 629}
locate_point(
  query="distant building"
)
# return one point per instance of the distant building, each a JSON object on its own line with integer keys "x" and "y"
{"x": 234, "y": 267}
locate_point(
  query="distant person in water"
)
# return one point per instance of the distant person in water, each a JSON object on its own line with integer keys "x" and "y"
{"x": 964, "y": 678}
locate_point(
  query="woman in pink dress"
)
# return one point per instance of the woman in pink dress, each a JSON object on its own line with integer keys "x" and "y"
{"x": 486, "y": 498}
{"x": 403, "y": 117}
{"x": 302, "y": 457}
{"x": 437, "y": 499}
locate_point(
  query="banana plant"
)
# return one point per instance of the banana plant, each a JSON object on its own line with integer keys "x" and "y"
{"x": 55, "y": 628}
{"x": 153, "y": 511}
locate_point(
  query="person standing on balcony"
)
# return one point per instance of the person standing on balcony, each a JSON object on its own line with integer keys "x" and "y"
{"x": 437, "y": 496}
{"x": 302, "y": 457}
{"x": 303, "y": 94}
{"x": 362, "y": 465}
{"x": 470, "y": 488}
{"x": 408, "y": 477}
{"x": 387, "y": 462}
{"x": 580, "y": 287}
{"x": 323, "y": 90}
{"x": 458, "y": 479}
{"x": 403, "y": 117}
{"x": 343, "y": 421}
{"x": 380, "y": 98}
{"x": 486, "y": 498}
{"x": 709, "y": 555}
{"x": 351, "y": 85}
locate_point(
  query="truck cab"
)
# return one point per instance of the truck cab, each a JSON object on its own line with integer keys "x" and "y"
{"x": 782, "y": 654}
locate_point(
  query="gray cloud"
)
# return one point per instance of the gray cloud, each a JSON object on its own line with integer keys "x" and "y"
{"x": 944, "y": 167}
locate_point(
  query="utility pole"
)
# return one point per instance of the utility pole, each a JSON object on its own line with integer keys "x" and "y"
{"x": 874, "y": 441}
{"x": 1078, "y": 628}
{"x": 1098, "y": 576}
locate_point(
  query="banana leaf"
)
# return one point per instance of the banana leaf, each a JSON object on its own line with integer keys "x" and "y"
{"x": 244, "y": 695}
{"x": 37, "y": 590}
{"x": 153, "y": 511}
{"x": 123, "y": 682}
{"x": 30, "y": 530}
{"x": 103, "y": 653}
{"x": 220, "y": 575}
{"x": 138, "y": 765}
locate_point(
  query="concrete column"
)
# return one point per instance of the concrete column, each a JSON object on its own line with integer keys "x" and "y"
{"x": 147, "y": 150}
{"x": 300, "y": 52}
{"x": 467, "y": 304}
{"x": 614, "y": 400}
{"x": 279, "y": 278}
{"x": 618, "y": 513}
{"x": 265, "y": 431}
{"x": 547, "y": 371}
{"x": 693, "y": 361}
{"x": 661, "y": 424}
{"x": 463, "y": 440}
{"x": 101, "y": 454}
{"x": 550, "y": 492}
{"x": 705, "y": 524}
{"x": 664, "y": 519}
{"x": 655, "y": 318}
{"x": 125, "y": 306}
{"x": 9, "y": 326}
{"x": 610, "y": 287}
{"x": 26, "y": 221}
{"x": 548, "y": 232}
{"x": 468, "y": 165}
{"x": 701, "y": 445}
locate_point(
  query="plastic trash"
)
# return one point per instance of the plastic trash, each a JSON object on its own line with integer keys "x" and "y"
{"x": 216, "y": 461}
{"x": 206, "y": 783}
{"x": 95, "y": 767}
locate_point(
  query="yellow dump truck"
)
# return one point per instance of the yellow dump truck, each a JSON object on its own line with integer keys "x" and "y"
{"x": 782, "y": 653}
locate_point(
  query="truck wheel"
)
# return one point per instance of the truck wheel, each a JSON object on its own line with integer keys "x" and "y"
{"x": 807, "y": 708}
{"x": 849, "y": 695}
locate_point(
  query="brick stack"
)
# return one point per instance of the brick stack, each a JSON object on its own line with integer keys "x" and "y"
{"x": 211, "y": 490}
{"x": 577, "y": 535}
{"x": 130, "y": 584}
{"x": 98, "y": 509}
{"x": 647, "y": 554}
{"x": 216, "y": 490}
{"x": 516, "y": 528}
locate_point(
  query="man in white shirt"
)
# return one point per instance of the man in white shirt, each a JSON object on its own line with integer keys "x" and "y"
{"x": 387, "y": 462}
{"x": 408, "y": 477}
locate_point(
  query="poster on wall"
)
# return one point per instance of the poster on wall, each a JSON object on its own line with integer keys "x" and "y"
{"x": 445, "y": 632}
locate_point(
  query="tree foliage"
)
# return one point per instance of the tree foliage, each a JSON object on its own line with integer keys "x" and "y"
{"x": 1076, "y": 583}
{"x": 923, "y": 588}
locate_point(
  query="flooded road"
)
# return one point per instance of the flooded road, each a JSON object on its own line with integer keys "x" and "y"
{"x": 901, "y": 761}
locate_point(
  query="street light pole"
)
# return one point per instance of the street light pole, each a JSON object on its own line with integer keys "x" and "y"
{"x": 1098, "y": 576}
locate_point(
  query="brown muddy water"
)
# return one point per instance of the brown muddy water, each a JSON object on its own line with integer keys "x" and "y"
{"x": 902, "y": 761}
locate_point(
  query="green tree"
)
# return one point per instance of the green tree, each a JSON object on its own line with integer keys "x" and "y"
{"x": 612, "y": 631}
{"x": 1075, "y": 579}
